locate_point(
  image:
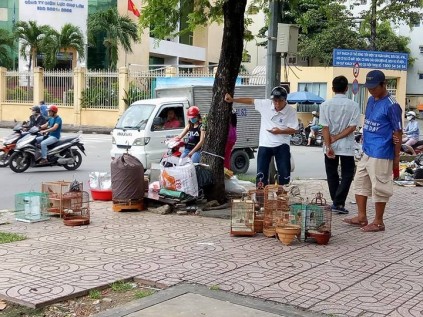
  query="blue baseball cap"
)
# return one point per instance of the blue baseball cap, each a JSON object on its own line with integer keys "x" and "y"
{"x": 374, "y": 78}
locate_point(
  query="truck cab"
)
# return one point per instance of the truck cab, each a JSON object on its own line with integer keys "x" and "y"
{"x": 142, "y": 130}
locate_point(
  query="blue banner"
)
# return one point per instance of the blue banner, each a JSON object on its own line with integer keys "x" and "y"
{"x": 370, "y": 59}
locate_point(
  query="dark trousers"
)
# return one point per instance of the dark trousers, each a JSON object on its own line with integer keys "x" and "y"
{"x": 339, "y": 188}
{"x": 283, "y": 163}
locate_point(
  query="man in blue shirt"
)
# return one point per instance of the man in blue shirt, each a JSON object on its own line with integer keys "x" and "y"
{"x": 43, "y": 109}
{"x": 382, "y": 122}
{"x": 53, "y": 127}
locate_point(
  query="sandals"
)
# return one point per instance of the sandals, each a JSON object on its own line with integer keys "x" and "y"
{"x": 355, "y": 222}
{"x": 373, "y": 227}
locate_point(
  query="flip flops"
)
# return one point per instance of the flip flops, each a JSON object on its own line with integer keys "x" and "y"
{"x": 355, "y": 222}
{"x": 373, "y": 227}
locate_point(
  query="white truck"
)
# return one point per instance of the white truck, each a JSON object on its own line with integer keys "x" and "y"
{"x": 139, "y": 130}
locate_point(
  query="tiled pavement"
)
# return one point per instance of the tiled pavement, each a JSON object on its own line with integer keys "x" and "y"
{"x": 356, "y": 274}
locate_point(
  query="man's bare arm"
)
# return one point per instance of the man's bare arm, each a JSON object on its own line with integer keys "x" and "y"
{"x": 246, "y": 101}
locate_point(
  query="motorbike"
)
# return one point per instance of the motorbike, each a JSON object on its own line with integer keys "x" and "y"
{"x": 300, "y": 137}
{"x": 9, "y": 144}
{"x": 318, "y": 138}
{"x": 358, "y": 149}
{"x": 62, "y": 153}
{"x": 418, "y": 148}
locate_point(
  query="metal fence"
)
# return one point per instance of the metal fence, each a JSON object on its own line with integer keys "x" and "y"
{"x": 19, "y": 87}
{"x": 58, "y": 88}
{"x": 101, "y": 90}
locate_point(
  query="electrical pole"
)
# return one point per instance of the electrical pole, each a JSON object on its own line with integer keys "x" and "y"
{"x": 273, "y": 63}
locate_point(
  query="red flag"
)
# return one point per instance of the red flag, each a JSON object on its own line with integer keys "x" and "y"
{"x": 133, "y": 8}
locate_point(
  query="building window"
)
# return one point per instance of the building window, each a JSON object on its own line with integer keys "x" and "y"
{"x": 420, "y": 76}
{"x": 421, "y": 49}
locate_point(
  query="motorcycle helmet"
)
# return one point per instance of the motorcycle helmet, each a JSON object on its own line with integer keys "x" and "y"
{"x": 36, "y": 109}
{"x": 193, "y": 112}
{"x": 278, "y": 93}
{"x": 53, "y": 108}
{"x": 410, "y": 113}
{"x": 314, "y": 113}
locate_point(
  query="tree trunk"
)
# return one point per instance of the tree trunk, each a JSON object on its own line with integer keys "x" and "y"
{"x": 373, "y": 25}
{"x": 219, "y": 114}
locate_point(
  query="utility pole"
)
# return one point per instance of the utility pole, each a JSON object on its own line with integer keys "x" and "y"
{"x": 373, "y": 25}
{"x": 273, "y": 63}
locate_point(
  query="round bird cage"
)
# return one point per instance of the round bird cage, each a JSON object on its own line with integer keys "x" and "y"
{"x": 276, "y": 209}
{"x": 257, "y": 196}
{"x": 76, "y": 210}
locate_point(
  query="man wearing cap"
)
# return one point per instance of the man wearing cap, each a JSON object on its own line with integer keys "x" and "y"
{"x": 36, "y": 119}
{"x": 278, "y": 122}
{"x": 339, "y": 117}
{"x": 382, "y": 123}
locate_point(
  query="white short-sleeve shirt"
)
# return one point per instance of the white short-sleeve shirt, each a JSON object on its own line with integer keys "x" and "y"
{"x": 337, "y": 114}
{"x": 270, "y": 118}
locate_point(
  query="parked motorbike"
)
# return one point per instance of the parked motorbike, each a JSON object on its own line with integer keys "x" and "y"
{"x": 300, "y": 137}
{"x": 9, "y": 144}
{"x": 62, "y": 153}
{"x": 418, "y": 148}
{"x": 358, "y": 149}
{"x": 317, "y": 139}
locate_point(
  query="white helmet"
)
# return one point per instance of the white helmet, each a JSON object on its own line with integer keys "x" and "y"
{"x": 411, "y": 113}
{"x": 314, "y": 113}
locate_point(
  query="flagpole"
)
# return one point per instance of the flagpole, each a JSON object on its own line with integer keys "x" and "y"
{"x": 14, "y": 23}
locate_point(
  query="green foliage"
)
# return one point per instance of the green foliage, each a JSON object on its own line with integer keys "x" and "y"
{"x": 134, "y": 93}
{"x": 99, "y": 97}
{"x": 20, "y": 93}
{"x": 6, "y": 46}
{"x": 214, "y": 288}
{"x": 70, "y": 37}
{"x": 50, "y": 99}
{"x": 31, "y": 36}
{"x": 120, "y": 31}
{"x": 121, "y": 286}
{"x": 6, "y": 237}
{"x": 143, "y": 293}
{"x": 94, "y": 294}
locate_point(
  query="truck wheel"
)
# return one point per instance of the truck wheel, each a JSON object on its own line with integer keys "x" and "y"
{"x": 240, "y": 162}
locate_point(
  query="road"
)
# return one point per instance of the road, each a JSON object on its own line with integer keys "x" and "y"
{"x": 308, "y": 160}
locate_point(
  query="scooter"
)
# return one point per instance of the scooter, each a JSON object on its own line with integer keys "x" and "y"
{"x": 318, "y": 138}
{"x": 62, "y": 153}
{"x": 9, "y": 144}
{"x": 418, "y": 148}
{"x": 300, "y": 137}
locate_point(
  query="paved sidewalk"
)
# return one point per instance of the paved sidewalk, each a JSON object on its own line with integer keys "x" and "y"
{"x": 356, "y": 274}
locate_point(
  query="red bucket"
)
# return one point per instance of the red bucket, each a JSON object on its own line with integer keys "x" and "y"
{"x": 98, "y": 194}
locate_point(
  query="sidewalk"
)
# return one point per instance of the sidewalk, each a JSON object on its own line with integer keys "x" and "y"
{"x": 356, "y": 274}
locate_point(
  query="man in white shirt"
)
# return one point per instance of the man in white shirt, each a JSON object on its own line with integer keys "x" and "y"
{"x": 339, "y": 117}
{"x": 278, "y": 122}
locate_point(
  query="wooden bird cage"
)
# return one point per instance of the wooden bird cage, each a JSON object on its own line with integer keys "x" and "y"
{"x": 257, "y": 196}
{"x": 76, "y": 210}
{"x": 318, "y": 220}
{"x": 276, "y": 209}
{"x": 242, "y": 217}
{"x": 55, "y": 191}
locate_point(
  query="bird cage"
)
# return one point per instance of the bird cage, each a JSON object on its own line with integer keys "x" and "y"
{"x": 55, "y": 191}
{"x": 257, "y": 195}
{"x": 242, "y": 217}
{"x": 76, "y": 208}
{"x": 318, "y": 220}
{"x": 31, "y": 207}
{"x": 276, "y": 209}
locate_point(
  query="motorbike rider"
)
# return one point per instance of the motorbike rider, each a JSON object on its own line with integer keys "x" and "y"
{"x": 53, "y": 128}
{"x": 314, "y": 127}
{"x": 411, "y": 131}
{"x": 36, "y": 119}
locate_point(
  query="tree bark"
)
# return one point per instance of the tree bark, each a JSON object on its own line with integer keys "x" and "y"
{"x": 219, "y": 114}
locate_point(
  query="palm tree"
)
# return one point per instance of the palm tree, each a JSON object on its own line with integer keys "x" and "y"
{"x": 6, "y": 46}
{"x": 31, "y": 35}
{"x": 70, "y": 38}
{"x": 120, "y": 30}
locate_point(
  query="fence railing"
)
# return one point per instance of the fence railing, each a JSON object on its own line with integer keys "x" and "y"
{"x": 19, "y": 87}
{"x": 58, "y": 88}
{"x": 101, "y": 90}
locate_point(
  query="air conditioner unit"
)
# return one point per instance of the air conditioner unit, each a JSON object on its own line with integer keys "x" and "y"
{"x": 287, "y": 38}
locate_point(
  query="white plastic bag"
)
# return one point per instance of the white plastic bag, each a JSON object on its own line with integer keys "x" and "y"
{"x": 179, "y": 177}
{"x": 232, "y": 185}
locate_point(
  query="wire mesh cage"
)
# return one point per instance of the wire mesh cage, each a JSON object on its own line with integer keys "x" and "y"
{"x": 76, "y": 208}
{"x": 318, "y": 221}
{"x": 276, "y": 209}
{"x": 242, "y": 217}
{"x": 31, "y": 207}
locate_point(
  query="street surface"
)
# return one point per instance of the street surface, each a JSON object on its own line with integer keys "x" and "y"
{"x": 308, "y": 160}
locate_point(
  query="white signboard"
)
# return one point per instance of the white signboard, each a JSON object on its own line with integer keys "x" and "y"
{"x": 54, "y": 13}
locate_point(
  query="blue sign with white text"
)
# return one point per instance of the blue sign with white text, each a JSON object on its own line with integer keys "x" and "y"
{"x": 370, "y": 59}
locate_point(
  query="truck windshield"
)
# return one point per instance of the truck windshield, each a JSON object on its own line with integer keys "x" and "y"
{"x": 135, "y": 117}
